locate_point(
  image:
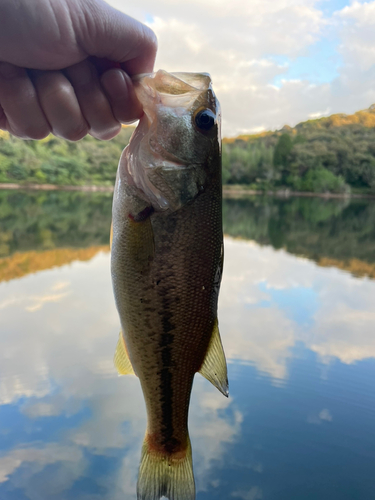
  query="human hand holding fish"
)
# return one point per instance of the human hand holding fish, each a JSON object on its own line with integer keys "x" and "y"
{"x": 167, "y": 240}
{"x": 66, "y": 67}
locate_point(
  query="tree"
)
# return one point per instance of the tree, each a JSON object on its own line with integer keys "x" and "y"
{"x": 282, "y": 150}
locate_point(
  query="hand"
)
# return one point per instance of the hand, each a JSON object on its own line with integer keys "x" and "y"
{"x": 58, "y": 70}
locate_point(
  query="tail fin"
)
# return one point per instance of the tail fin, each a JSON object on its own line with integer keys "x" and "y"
{"x": 165, "y": 476}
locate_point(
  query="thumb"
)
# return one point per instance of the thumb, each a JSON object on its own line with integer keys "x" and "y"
{"x": 105, "y": 32}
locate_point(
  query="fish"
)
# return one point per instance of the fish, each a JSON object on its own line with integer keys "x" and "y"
{"x": 166, "y": 265}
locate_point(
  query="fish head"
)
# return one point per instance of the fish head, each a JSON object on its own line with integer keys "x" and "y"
{"x": 175, "y": 151}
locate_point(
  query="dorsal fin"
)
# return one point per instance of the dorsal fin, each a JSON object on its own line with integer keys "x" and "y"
{"x": 121, "y": 359}
{"x": 214, "y": 367}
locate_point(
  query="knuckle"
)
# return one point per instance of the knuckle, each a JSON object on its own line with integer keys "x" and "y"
{"x": 39, "y": 134}
{"x": 32, "y": 132}
{"x": 57, "y": 90}
{"x": 106, "y": 133}
{"x": 75, "y": 134}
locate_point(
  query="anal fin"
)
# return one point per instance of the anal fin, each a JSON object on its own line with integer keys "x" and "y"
{"x": 214, "y": 367}
{"x": 121, "y": 359}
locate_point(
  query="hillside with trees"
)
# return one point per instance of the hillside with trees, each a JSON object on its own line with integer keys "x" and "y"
{"x": 56, "y": 161}
{"x": 330, "y": 154}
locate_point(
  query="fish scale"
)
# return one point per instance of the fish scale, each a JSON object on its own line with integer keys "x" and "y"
{"x": 166, "y": 268}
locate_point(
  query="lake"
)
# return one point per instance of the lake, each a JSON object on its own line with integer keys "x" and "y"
{"x": 297, "y": 319}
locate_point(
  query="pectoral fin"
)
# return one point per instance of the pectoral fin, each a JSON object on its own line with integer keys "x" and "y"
{"x": 121, "y": 359}
{"x": 214, "y": 367}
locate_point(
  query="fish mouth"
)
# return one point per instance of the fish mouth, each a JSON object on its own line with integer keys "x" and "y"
{"x": 158, "y": 161}
{"x": 169, "y": 89}
{"x": 178, "y": 83}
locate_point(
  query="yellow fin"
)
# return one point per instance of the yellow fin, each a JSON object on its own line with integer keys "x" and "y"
{"x": 165, "y": 475}
{"x": 214, "y": 367}
{"x": 122, "y": 361}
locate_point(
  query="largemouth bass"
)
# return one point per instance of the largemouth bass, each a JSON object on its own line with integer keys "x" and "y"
{"x": 166, "y": 264}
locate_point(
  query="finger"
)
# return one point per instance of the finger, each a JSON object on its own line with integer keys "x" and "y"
{"x": 120, "y": 91}
{"x": 118, "y": 37}
{"x": 21, "y": 112}
{"x": 3, "y": 125}
{"x": 60, "y": 105}
{"x": 93, "y": 102}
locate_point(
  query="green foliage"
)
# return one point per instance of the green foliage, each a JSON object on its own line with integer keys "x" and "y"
{"x": 332, "y": 154}
{"x": 318, "y": 180}
{"x": 41, "y": 220}
{"x": 55, "y": 161}
{"x": 282, "y": 151}
{"x": 315, "y": 227}
{"x": 340, "y": 229}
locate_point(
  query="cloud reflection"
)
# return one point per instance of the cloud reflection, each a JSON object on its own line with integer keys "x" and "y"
{"x": 58, "y": 367}
{"x": 260, "y": 331}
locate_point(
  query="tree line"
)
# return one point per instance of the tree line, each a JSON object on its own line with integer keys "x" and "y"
{"x": 331, "y": 154}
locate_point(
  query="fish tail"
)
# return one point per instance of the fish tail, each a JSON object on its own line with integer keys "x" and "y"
{"x": 165, "y": 475}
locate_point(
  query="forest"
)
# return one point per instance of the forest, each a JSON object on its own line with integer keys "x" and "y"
{"x": 331, "y": 154}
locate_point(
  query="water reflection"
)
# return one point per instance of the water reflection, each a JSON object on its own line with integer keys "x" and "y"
{"x": 51, "y": 219}
{"x": 334, "y": 233}
{"x": 298, "y": 337}
{"x": 338, "y": 233}
{"x": 271, "y": 300}
{"x": 64, "y": 410}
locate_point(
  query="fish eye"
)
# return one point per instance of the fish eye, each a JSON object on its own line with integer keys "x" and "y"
{"x": 205, "y": 119}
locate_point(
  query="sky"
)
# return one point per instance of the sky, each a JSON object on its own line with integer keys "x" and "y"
{"x": 273, "y": 62}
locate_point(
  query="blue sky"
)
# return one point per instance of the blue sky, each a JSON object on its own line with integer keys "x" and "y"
{"x": 273, "y": 62}
{"x": 331, "y": 6}
{"x": 319, "y": 65}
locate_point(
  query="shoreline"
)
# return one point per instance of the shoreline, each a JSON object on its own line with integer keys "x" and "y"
{"x": 285, "y": 193}
{"x": 227, "y": 191}
{"x": 54, "y": 187}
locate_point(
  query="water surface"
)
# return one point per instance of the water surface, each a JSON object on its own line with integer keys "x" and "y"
{"x": 297, "y": 319}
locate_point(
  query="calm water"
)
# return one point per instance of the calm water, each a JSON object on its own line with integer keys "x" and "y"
{"x": 297, "y": 318}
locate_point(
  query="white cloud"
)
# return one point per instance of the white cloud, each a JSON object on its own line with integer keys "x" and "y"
{"x": 62, "y": 362}
{"x": 239, "y": 43}
{"x": 236, "y": 43}
{"x": 342, "y": 326}
{"x": 38, "y": 457}
{"x": 317, "y": 418}
{"x": 358, "y": 34}
{"x": 255, "y": 493}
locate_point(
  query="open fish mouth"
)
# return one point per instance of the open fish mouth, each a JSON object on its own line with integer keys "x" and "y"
{"x": 167, "y": 148}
